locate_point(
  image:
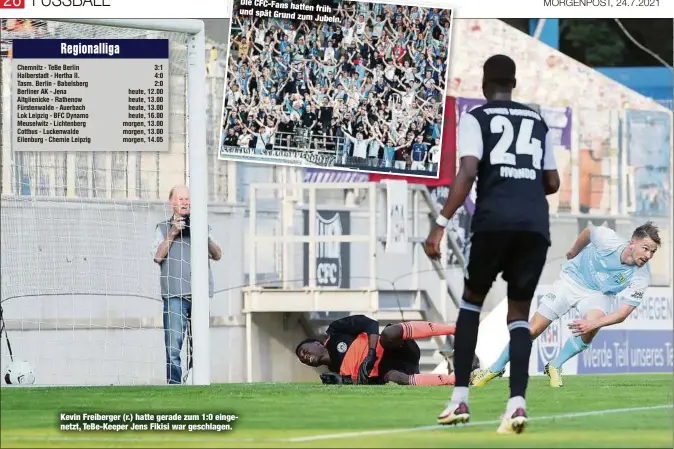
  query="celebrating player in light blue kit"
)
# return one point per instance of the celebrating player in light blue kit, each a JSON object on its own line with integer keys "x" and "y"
{"x": 601, "y": 266}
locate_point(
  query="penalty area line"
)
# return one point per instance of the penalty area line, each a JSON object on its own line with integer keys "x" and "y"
{"x": 365, "y": 433}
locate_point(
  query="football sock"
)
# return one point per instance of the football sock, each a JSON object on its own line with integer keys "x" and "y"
{"x": 514, "y": 403}
{"x": 423, "y": 329}
{"x": 500, "y": 363}
{"x": 465, "y": 340}
{"x": 573, "y": 346}
{"x": 431, "y": 379}
{"x": 459, "y": 395}
{"x": 520, "y": 351}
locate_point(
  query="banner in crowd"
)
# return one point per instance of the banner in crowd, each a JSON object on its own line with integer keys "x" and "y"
{"x": 333, "y": 259}
{"x": 648, "y": 147}
{"x": 641, "y": 344}
{"x": 447, "y": 158}
{"x": 557, "y": 118}
{"x": 459, "y": 226}
{"x": 299, "y": 158}
{"x": 321, "y": 175}
{"x": 396, "y": 217}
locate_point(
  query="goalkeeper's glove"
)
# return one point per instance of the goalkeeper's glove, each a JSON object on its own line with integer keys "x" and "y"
{"x": 331, "y": 378}
{"x": 367, "y": 366}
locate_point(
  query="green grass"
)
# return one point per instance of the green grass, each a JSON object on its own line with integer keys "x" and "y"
{"x": 272, "y": 414}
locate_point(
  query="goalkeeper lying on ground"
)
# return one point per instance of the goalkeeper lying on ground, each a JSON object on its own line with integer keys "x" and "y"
{"x": 602, "y": 266}
{"x": 354, "y": 352}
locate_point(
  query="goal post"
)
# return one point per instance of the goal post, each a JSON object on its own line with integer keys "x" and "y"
{"x": 198, "y": 182}
{"x": 197, "y": 175}
{"x": 196, "y": 172}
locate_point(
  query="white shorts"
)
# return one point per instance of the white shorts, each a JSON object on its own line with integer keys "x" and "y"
{"x": 566, "y": 295}
{"x": 417, "y": 165}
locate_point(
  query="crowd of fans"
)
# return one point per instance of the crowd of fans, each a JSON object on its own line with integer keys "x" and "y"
{"x": 369, "y": 89}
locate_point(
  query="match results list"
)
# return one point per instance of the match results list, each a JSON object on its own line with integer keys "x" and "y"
{"x": 90, "y": 95}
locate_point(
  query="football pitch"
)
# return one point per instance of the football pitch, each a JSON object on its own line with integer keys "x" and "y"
{"x": 590, "y": 411}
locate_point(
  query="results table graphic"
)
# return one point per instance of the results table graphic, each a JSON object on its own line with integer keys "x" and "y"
{"x": 90, "y": 95}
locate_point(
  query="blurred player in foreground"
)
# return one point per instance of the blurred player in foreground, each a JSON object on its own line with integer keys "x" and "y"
{"x": 507, "y": 146}
{"x": 601, "y": 265}
{"x": 355, "y": 352}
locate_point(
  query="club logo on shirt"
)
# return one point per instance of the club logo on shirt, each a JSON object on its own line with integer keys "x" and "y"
{"x": 341, "y": 347}
{"x": 619, "y": 278}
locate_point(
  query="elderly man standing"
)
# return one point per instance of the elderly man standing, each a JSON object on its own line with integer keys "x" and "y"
{"x": 172, "y": 254}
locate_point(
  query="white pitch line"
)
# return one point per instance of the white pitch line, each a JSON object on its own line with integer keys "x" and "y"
{"x": 332, "y": 436}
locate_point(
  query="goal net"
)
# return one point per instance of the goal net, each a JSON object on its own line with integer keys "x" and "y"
{"x": 80, "y": 291}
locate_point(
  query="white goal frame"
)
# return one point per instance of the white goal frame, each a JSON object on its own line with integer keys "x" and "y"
{"x": 197, "y": 175}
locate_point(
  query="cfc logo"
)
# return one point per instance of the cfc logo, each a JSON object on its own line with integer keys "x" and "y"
{"x": 329, "y": 254}
{"x": 397, "y": 218}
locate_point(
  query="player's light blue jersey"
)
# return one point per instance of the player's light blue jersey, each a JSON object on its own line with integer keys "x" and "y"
{"x": 598, "y": 268}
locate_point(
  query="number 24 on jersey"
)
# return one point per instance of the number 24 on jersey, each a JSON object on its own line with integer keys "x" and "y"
{"x": 524, "y": 144}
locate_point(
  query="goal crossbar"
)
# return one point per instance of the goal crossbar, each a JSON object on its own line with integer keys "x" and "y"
{"x": 188, "y": 26}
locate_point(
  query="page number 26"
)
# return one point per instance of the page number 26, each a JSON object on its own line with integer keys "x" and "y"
{"x": 524, "y": 144}
{"x": 12, "y": 4}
